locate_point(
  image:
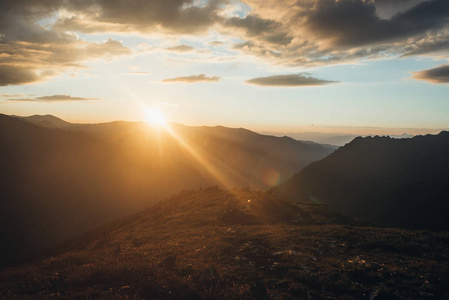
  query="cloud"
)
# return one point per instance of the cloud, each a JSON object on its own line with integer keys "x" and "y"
{"x": 255, "y": 26}
{"x": 355, "y": 23}
{"x": 430, "y": 44}
{"x": 193, "y": 79}
{"x": 216, "y": 43}
{"x": 386, "y": 9}
{"x": 319, "y": 32}
{"x": 31, "y": 52}
{"x": 54, "y": 98}
{"x": 180, "y": 16}
{"x": 180, "y": 48}
{"x": 294, "y": 33}
{"x": 12, "y": 96}
{"x": 290, "y": 80}
{"x": 32, "y": 62}
{"x": 436, "y": 75}
{"x": 13, "y": 75}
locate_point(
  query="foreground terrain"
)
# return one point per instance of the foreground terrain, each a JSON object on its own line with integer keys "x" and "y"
{"x": 238, "y": 244}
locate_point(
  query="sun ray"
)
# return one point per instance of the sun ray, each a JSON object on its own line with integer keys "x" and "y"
{"x": 208, "y": 166}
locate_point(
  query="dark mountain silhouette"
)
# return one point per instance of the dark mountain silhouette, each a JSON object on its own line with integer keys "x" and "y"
{"x": 323, "y": 138}
{"x": 60, "y": 179}
{"x": 395, "y": 182}
{"x": 48, "y": 121}
{"x": 237, "y": 244}
{"x": 55, "y": 184}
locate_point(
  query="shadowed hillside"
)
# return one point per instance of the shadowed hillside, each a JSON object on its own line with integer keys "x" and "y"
{"x": 238, "y": 244}
{"x": 395, "y": 182}
{"x": 59, "y": 179}
{"x": 55, "y": 184}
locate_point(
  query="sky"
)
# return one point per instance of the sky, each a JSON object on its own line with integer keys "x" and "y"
{"x": 352, "y": 66}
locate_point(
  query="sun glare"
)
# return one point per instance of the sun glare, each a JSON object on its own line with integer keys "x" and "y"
{"x": 155, "y": 116}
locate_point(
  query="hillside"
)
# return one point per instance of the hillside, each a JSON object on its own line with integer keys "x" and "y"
{"x": 395, "y": 182}
{"x": 58, "y": 180}
{"x": 238, "y": 244}
{"x": 55, "y": 184}
{"x": 242, "y": 157}
{"x": 48, "y": 121}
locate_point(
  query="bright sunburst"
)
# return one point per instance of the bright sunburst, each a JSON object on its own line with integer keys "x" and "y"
{"x": 155, "y": 116}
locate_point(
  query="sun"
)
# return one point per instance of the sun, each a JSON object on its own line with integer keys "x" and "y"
{"x": 155, "y": 117}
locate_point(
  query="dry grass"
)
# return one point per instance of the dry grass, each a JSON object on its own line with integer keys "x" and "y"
{"x": 225, "y": 247}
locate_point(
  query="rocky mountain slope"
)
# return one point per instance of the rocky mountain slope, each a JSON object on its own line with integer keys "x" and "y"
{"x": 395, "y": 182}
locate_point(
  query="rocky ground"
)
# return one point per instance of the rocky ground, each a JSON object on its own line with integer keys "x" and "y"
{"x": 238, "y": 244}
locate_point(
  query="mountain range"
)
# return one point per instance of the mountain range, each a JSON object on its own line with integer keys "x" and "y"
{"x": 59, "y": 179}
{"x": 338, "y": 139}
{"x": 394, "y": 182}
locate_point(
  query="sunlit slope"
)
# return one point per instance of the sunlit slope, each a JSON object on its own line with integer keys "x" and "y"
{"x": 396, "y": 182}
{"x": 242, "y": 157}
{"x": 238, "y": 244}
{"x": 58, "y": 180}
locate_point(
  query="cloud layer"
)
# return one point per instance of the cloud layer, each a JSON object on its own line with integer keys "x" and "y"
{"x": 54, "y": 98}
{"x": 294, "y": 33}
{"x": 436, "y": 75}
{"x": 291, "y": 80}
{"x": 193, "y": 79}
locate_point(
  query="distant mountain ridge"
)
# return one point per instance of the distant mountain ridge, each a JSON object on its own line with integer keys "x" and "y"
{"x": 59, "y": 179}
{"x": 337, "y": 139}
{"x": 46, "y": 121}
{"x": 395, "y": 182}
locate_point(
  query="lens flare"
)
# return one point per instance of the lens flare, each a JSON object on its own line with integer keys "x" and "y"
{"x": 271, "y": 177}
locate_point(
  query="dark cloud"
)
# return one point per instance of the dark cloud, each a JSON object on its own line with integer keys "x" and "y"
{"x": 177, "y": 16}
{"x": 181, "y": 48}
{"x": 355, "y": 23}
{"x": 322, "y": 32}
{"x": 255, "y": 26}
{"x": 436, "y": 75}
{"x": 290, "y": 80}
{"x": 13, "y": 75}
{"x": 193, "y": 79}
{"x": 281, "y": 38}
{"x": 54, "y": 98}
